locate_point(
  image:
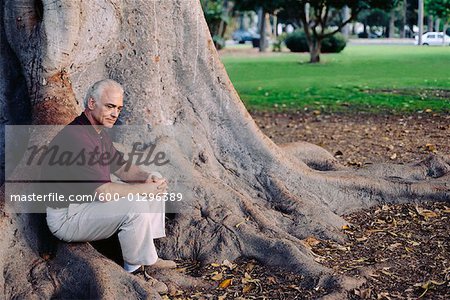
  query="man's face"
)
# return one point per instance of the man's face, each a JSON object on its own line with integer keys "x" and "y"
{"x": 106, "y": 110}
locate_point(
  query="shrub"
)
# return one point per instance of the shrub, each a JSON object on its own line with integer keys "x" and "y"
{"x": 296, "y": 42}
{"x": 363, "y": 35}
{"x": 334, "y": 44}
{"x": 277, "y": 44}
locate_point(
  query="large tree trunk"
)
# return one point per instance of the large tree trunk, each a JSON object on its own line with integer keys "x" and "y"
{"x": 430, "y": 23}
{"x": 445, "y": 32}
{"x": 262, "y": 29}
{"x": 314, "y": 51}
{"x": 345, "y": 16}
{"x": 391, "y": 31}
{"x": 437, "y": 24}
{"x": 404, "y": 12}
{"x": 249, "y": 197}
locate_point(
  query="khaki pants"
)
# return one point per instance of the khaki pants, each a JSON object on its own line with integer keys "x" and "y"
{"x": 137, "y": 223}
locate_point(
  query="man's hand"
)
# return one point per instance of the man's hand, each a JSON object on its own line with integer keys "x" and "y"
{"x": 153, "y": 184}
{"x": 155, "y": 178}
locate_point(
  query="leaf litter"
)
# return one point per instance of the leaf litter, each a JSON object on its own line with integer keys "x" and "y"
{"x": 402, "y": 251}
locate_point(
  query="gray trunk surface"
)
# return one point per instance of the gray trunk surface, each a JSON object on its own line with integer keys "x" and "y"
{"x": 250, "y": 197}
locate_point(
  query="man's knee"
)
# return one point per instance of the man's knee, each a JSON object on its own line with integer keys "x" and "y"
{"x": 145, "y": 205}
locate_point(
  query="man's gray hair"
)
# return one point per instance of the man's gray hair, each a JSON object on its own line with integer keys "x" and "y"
{"x": 96, "y": 90}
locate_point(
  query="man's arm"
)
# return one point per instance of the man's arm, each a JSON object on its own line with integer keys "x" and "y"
{"x": 132, "y": 174}
{"x": 123, "y": 189}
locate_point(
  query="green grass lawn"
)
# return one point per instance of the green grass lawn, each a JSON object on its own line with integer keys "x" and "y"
{"x": 374, "y": 78}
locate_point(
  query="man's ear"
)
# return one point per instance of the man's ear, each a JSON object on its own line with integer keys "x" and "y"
{"x": 91, "y": 103}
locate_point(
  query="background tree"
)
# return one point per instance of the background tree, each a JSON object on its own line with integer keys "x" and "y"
{"x": 439, "y": 9}
{"x": 316, "y": 19}
{"x": 403, "y": 7}
{"x": 218, "y": 16}
{"x": 249, "y": 198}
{"x": 374, "y": 19}
{"x": 411, "y": 16}
{"x": 262, "y": 7}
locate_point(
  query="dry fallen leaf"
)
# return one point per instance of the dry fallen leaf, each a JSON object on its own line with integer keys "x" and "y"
{"x": 226, "y": 283}
{"x": 430, "y": 147}
{"x": 364, "y": 293}
{"x": 386, "y": 273}
{"x": 311, "y": 241}
{"x": 217, "y": 276}
{"x": 272, "y": 280}
{"x": 247, "y": 278}
{"x": 223, "y": 297}
{"x": 176, "y": 293}
{"x": 428, "y": 285}
{"x": 392, "y": 233}
{"x": 249, "y": 267}
{"x": 341, "y": 248}
{"x": 393, "y": 246}
{"x": 239, "y": 224}
{"x": 181, "y": 270}
{"x": 228, "y": 264}
{"x": 383, "y": 296}
{"x": 248, "y": 287}
{"x": 345, "y": 227}
{"x": 409, "y": 249}
{"x": 426, "y": 213}
{"x": 414, "y": 243}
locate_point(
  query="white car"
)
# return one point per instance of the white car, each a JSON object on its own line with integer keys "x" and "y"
{"x": 434, "y": 39}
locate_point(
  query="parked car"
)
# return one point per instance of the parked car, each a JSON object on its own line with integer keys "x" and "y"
{"x": 241, "y": 36}
{"x": 433, "y": 39}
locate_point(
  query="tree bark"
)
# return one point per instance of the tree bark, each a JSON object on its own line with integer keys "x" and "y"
{"x": 262, "y": 29}
{"x": 429, "y": 23}
{"x": 345, "y": 16}
{"x": 420, "y": 21}
{"x": 437, "y": 24}
{"x": 404, "y": 12}
{"x": 444, "y": 30}
{"x": 249, "y": 197}
{"x": 314, "y": 51}
{"x": 391, "y": 24}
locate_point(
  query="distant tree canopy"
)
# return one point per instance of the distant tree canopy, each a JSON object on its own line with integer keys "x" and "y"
{"x": 316, "y": 17}
{"x": 439, "y": 8}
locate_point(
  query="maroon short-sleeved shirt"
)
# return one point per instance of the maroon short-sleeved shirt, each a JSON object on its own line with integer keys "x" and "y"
{"x": 84, "y": 160}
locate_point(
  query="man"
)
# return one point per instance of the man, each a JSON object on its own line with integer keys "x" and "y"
{"x": 138, "y": 223}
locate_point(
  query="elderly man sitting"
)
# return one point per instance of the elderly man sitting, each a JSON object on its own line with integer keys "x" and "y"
{"x": 137, "y": 223}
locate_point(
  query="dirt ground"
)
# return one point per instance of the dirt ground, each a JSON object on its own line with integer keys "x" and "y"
{"x": 363, "y": 139}
{"x": 397, "y": 251}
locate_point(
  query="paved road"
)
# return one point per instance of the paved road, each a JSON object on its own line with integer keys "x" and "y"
{"x": 381, "y": 41}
